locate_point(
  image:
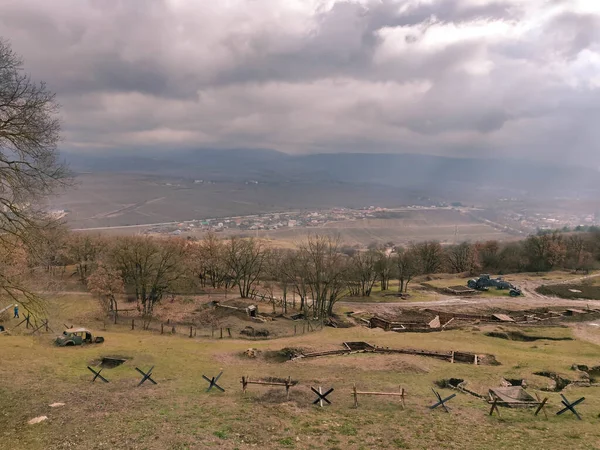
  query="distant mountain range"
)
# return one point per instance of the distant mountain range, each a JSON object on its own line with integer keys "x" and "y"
{"x": 436, "y": 176}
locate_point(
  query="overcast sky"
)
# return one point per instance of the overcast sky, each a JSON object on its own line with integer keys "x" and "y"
{"x": 453, "y": 77}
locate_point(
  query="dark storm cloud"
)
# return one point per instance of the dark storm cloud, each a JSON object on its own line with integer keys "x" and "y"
{"x": 432, "y": 76}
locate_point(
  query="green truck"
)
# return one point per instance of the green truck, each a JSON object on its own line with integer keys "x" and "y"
{"x": 77, "y": 336}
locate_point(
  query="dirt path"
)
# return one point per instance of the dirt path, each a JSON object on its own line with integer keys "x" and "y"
{"x": 476, "y": 304}
{"x": 529, "y": 288}
{"x": 589, "y": 331}
{"x": 531, "y": 299}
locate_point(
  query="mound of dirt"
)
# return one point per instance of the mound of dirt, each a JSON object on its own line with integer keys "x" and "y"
{"x": 254, "y": 332}
{"x": 251, "y": 353}
{"x": 406, "y": 367}
{"x": 285, "y": 354}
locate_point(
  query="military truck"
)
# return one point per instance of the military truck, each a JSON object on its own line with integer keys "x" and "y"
{"x": 485, "y": 281}
{"x": 77, "y": 336}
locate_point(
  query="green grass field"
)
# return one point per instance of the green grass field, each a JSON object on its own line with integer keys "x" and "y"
{"x": 178, "y": 413}
{"x": 417, "y": 293}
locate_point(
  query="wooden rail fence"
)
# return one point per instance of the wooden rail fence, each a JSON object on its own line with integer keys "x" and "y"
{"x": 287, "y": 383}
{"x": 356, "y": 393}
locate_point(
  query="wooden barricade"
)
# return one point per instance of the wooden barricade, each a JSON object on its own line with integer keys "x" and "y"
{"x": 401, "y": 394}
{"x": 287, "y": 383}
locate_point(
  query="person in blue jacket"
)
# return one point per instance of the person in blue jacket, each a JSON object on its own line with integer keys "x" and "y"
{"x": 16, "y": 316}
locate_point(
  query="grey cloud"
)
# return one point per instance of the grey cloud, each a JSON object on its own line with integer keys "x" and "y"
{"x": 145, "y": 74}
{"x": 570, "y": 33}
{"x": 388, "y": 14}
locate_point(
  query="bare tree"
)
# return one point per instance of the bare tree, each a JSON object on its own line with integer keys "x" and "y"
{"x": 30, "y": 170}
{"x": 149, "y": 266}
{"x": 324, "y": 272}
{"x": 281, "y": 270}
{"x": 362, "y": 271}
{"x": 246, "y": 260}
{"x": 579, "y": 256}
{"x": 407, "y": 261}
{"x": 545, "y": 252}
{"x": 209, "y": 261}
{"x": 430, "y": 256}
{"x": 84, "y": 250}
{"x": 294, "y": 267}
{"x": 15, "y": 281}
{"x": 47, "y": 248}
{"x": 461, "y": 258}
{"x": 488, "y": 254}
{"x": 107, "y": 284}
{"x": 384, "y": 267}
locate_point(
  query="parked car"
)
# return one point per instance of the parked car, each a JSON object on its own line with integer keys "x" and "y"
{"x": 77, "y": 336}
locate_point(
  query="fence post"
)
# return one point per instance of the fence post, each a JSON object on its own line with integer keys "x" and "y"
{"x": 162, "y": 328}
{"x": 133, "y": 324}
{"x": 173, "y": 330}
{"x": 190, "y": 331}
{"x": 221, "y": 333}
{"x": 229, "y": 331}
{"x": 294, "y": 329}
{"x": 288, "y": 383}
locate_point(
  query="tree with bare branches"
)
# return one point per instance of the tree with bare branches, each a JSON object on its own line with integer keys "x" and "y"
{"x": 209, "y": 261}
{"x": 408, "y": 264}
{"x": 384, "y": 267}
{"x": 324, "y": 271}
{"x": 362, "y": 272}
{"x": 106, "y": 283}
{"x": 461, "y": 258}
{"x": 430, "y": 256}
{"x": 84, "y": 251}
{"x": 30, "y": 169}
{"x": 246, "y": 259}
{"x": 150, "y": 267}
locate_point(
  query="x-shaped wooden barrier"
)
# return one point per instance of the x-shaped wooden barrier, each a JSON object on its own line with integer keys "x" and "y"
{"x": 26, "y": 319}
{"x": 441, "y": 401}
{"x": 146, "y": 376}
{"x": 213, "y": 382}
{"x": 97, "y": 375}
{"x": 541, "y": 405}
{"x": 44, "y": 324}
{"x": 321, "y": 397}
{"x": 570, "y": 406}
{"x": 495, "y": 407}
